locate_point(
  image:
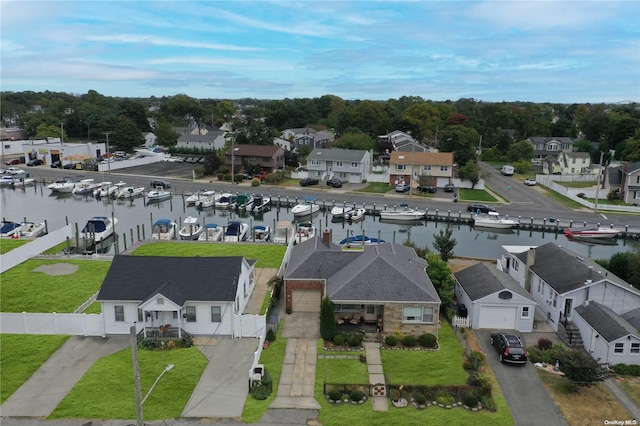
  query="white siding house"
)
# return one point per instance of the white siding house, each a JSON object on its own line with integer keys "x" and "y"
{"x": 350, "y": 165}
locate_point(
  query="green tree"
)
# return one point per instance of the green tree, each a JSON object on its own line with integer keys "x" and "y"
{"x": 225, "y": 110}
{"x": 460, "y": 140}
{"x": 631, "y": 150}
{"x": 328, "y": 327}
{"x": 182, "y": 110}
{"x": 620, "y": 264}
{"x": 522, "y": 150}
{"x": 440, "y": 275}
{"x": 423, "y": 119}
{"x": 45, "y": 131}
{"x": 470, "y": 172}
{"x": 580, "y": 368}
{"x": 124, "y": 133}
{"x": 136, "y": 111}
{"x": 444, "y": 243}
{"x": 371, "y": 117}
{"x": 355, "y": 141}
{"x": 165, "y": 134}
{"x": 522, "y": 166}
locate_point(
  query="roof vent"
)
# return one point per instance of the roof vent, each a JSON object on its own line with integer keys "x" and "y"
{"x": 319, "y": 153}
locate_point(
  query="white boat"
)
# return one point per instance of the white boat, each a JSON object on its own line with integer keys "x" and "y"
{"x": 22, "y": 181}
{"x": 244, "y": 201}
{"x": 339, "y": 212}
{"x": 404, "y": 213}
{"x": 260, "y": 203}
{"x": 493, "y": 220}
{"x": 355, "y": 215}
{"x": 32, "y": 229}
{"x": 164, "y": 229}
{"x": 207, "y": 199}
{"x": 6, "y": 180}
{"x": 63, "y": 186}
{"x": 283, "y": 232}
{"x": 98, "y": 228}
{"x": 305, "y": 231}
{"x": 307, "y": 207}
{"x": 191, "y": 229}
{"x": 158, "y": 194}
{"x": 105, "y": 190}
{"x": 10, "y": 229}
{"x": 212, "y": 232}
{"x": 225, "y": 201}
{"x": 129, "y": 192}
{"x": 85, "y": 186}
{"x": 235, "y": 231}
{"x": 261, "y": 233}
{"x": 591, "y": 233}
{"x": 191, "y": 199}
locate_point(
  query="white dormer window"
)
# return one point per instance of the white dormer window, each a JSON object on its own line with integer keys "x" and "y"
{"x": 160, "y": 300}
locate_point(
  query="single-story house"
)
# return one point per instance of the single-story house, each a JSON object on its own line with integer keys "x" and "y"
{"x": 493, "y": 299}
{"x": 384, "y": 284}
{"x": 211, "y": 140}
{"x": 199, "y": 295}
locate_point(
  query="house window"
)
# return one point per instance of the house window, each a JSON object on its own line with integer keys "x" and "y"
{"x": 540, "y": 287}
{"x": 419, "y": 314}
{"x": 140, "y": 315}
{"x": 190, "y": 312}
{"x": 516, "y": 265}
{"x": 401, "y": 166}
{"x": 119, "y": 313}
{"x": 525, "y": 312}
{"x": 555, "y": 300}
{"x": 444, "y": 168}
{"x": 618, "y": 348}
{"x": 315, "y": 162}
{"x": 160, "y": 300}
{"x": 426, "y": 168}
{"x": 175, "y": 314}
{"x": 216, "y": 314}
{"x": 354, "y": 165}
{"x": 338, "y": 163}
{"x": 635, "y": 348}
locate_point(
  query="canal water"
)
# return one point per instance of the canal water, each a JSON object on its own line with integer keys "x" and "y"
{"x": 36, "y": 204}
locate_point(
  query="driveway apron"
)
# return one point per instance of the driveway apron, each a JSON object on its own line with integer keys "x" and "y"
{"x": 48, "y": 386}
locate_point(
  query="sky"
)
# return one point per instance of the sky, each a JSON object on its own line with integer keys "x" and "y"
{"x": 493, "y": 51}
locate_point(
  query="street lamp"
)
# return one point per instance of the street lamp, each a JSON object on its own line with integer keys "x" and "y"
{"x": 61, "y": 133}
{"x": 233, "y": 163}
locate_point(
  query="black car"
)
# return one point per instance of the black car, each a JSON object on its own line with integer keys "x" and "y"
{"x": 427, "y": 188}
{"x": 308, "y": 181}
{"x": 56, "y": 164}
{"x": 449, "y": 188}
{"x": 483, "y": 208}
{"x": 159, "y": 182}
{"x": 509, "y": 348}
{"x": 335, "y": 183}
{"x": 35, "y": 162}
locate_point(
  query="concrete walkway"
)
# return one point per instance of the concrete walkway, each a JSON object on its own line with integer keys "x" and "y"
{"x": 629, "y": 404}
{"x": 376, "y": 376}
{"x": 263, "y": 275}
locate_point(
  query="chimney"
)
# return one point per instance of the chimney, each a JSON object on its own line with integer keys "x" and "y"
{"x": 326, "y": 237}
{"x": 531, "y": 260}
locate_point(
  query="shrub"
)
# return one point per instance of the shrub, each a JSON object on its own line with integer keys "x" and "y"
{"x": 544, "y": 344}
{"x": 261, "y": 391}
{"x": 474, "y": 361}
{"x": 395, "y": 394}
{"x": 334, "y": 395}
{"x": 255, "y": 182}
{"x": 391, "y": 340}
{"x": 409, "y": 341}
{"x": 420, "y": 399}
{"x": 488, "y": 403}
{"x": 444, "y": 398}
{"x": 626, "y": 370}
{"x": 338, "y": 339}
{"x": 470, "y": 400}
{"x": 357, "y": 395}
{"x": 353, "y": 340}
{"x": 427, "y": 340}
{"x": 271, "y": 335}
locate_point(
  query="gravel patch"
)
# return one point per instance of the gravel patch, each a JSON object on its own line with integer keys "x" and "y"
{"x": 57, "y": 269}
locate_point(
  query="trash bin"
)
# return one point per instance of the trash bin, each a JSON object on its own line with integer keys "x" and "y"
{"x": 462, "y": 310}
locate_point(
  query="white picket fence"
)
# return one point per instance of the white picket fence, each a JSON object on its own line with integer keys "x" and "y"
{"x": 457, "y": 321}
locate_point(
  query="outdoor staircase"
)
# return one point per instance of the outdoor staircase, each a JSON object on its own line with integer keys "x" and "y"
{"x": 570, "y": 335}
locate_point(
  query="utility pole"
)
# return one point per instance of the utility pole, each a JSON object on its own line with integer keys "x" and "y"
{"x": 62, "y": 133}
{"x": 595, "y": 210}
{"x": 108, "y": 154}
{"x": 136, "y": 375}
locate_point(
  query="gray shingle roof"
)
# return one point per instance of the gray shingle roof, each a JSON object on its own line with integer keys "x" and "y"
{"x": 337, "y": 154}
{"x": 481, "y": 280}
{"x": 178, "y": 278}
{"x": 607, "y": 323}
{"x": 633, "y": 317}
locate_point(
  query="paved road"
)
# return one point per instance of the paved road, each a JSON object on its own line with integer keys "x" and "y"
{"x": 525, "y": 394}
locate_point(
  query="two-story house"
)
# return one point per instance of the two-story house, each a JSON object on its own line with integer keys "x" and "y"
{"x": 350, "y": 165}
{"x": 625, "y": 178}
{"x": 213, "y": 139}
{"x": 407, "y": 167}
{"x": 268, "y": 157}
{"x": 308, "y": 136}
{"x": 544, "y": 147}
{"x": 569, "y": 163}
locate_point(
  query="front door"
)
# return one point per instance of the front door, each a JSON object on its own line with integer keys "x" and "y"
{"x": 567, "y": 308}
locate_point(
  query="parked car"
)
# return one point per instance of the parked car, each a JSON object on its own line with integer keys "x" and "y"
{"x": 509, "y": 348}
{"x": 56, "y": 164}
{"x": 72, "y": 166}
{"x": 15, "y": 171}
{"x": 530, "y": 182}
{"x": 427, "y": 188}
{"x": 12, "y": 162}
{"x": 35, "y": 162}
{"x": 401, "y": 187}
{"x": 160, "y": 182}
{"x": 449, "y": 188}
{"x": 202, "y": 160}
{"x": 483, "y": 208}
{"x": 308, "y": 181}
{"x": 264, "y": 174}
{"x": 334, "y": 183}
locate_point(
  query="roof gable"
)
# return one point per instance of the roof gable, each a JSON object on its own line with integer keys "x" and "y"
{"x": 607, "y": 323}
{"x": 422, "y": 158}
{"x": 481, "y": 280}
{"x": 337, "y": 154}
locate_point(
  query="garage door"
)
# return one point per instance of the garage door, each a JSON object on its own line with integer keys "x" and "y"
{"x": 503, "y": 317}
{"x": 306, "y": 300}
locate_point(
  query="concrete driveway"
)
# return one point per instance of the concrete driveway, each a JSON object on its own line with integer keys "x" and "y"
{"x": 526, "y": 396}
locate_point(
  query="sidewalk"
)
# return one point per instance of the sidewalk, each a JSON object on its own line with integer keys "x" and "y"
{"x": 376, "y": 376}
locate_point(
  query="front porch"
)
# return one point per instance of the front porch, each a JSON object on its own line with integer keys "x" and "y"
{"x": 163, "y": 333}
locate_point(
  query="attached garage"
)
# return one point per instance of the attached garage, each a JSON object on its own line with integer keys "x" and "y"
{"x": 306, "y": 300}
{"x": 500, "y": 317}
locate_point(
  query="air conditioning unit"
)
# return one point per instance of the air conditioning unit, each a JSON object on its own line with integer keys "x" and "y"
{"x": 549, "y": 301}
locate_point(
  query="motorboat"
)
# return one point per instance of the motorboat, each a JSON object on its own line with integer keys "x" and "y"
{"x": 305, "y": 231}
{"x": 84, "y": 187}
{"x": 191, "y": 199}
{"x": 404, "y": 213}
{"x": 129, "y": 192}
{"x": 261, "y": 233}
{"x": 307, "y": 207}
{"x": 355, "y": 215}
{"x": 63, "y": 186}
{"x": 98, "y": 228}
{"x": 235, "y": 231}
{"x": 105, "y": 190}
{"x": 260, "y": 203}
{"x": 207, "y": 199}
{"x": 158, "y": 194}
{"x": 283, "y": 232}
{"x": 225, "y": 201}
{"x": 9, "y": 229}
{"x": 244, "y": 201}
{"x": 212, "y": 232}
{"x": 6, "y": 180}
{"x": 360, "y": 240}
{"x": 22, "y": 181}
{"x": 339, "y": 212}
{"x": 191, "y": 229}
{"x": 493, "y": 220}
{"x": 591, "y": 233}
{"x": 164, "y": 229}
{"x": 32, "y": 229}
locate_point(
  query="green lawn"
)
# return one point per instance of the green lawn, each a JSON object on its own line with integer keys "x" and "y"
{"x": 107, "y": 390}
{"x": 480, "y": 195}
{"x": 568, "y": 202}
{"x": 587, "y": 184}
{"x": 21, "y": 356}
{"x": 8, "y": 244}
{"x": 269, "y": 255}
{"x": 376, "y": 188}
{"x": 24, "y": 289}
{"x": 344, "y": 371}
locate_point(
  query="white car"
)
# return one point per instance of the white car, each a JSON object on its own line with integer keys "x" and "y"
{"x": 530, "y": 182}
{"x": 15, "y": 171}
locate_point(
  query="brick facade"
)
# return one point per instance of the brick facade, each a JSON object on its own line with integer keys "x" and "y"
{"x": 393, "y": 320}
{"x": 290, "y": 285}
